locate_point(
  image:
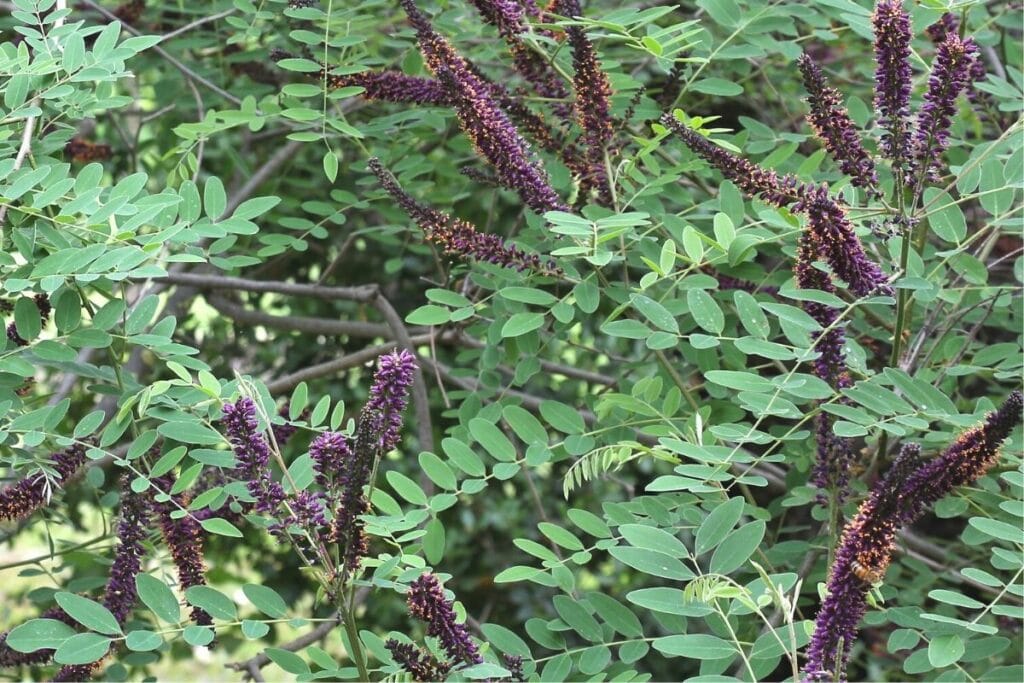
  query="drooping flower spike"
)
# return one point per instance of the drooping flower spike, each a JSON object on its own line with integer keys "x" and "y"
{"x": 454, "y": 235}
{"x": 121, "y": 594}
{"x": 427, "y": 603}
{"x": 592, "y": 105}
{"x": 833, "y": 126}
{"x": 184, "y": 540}
{"x": 951, "y": 75}
{"x": 907, "y": 491}
{"x": 893, "y": 78}
{"x": 20, "y": 500}
{"x": 834, "y": 238}
{"x": 416, "y": 661}
{"x": 483, "y": 120}
{"x": 752, "y": 179}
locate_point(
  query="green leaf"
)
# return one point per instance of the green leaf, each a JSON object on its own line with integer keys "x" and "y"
{"x": 717, "y": 86}
{"x": 221, "y": 527}
{"x": 156, "y": 595}
{"x": 38, "y": 634}
{"x": 653, "y": 538}
{"x": 266, "y": 600}
{"x": 438, "y": 471}
{"x": 560, "y": 536}
{"x": 737, "y": 547}
{"x": 717, "y": 525}
{"x": 562, "y": 417}
{"x": 254, "y": 630}
{"x": 406, "y": 488}
{"x": 522, "y": 323}
{"x": 143, "y": 641}
{"x": 429, "y": 315}
{"x": 616, "y": 615}
{"x": 705, "y": 311}
{"x": 213, "y": 601}
{"x": 743, "y": 381}
{"x": 434, "y": 541}
{"x": 215, "y": 200}
{"x": 652, "y": 562}
{"x": 88, "y": 613}
{"x": 26, "y": 319}
{"x": 655, "y": 313}
{"x": 945, "y": 650}
{"x": 953, "y": 598}
{"x": 505, "y": 640}
{"x": 198, "y": 635}
{"x": 577, "y": 618}
{"x": 83, "y": 648}
{"x": 694, "y": 646}
{"x": 492, "y": 439}
{"x": 289, "y": 661}
{"x": 997, "y": 529}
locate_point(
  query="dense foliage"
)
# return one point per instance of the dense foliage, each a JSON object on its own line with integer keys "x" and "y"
{"x": 501, "y": 340}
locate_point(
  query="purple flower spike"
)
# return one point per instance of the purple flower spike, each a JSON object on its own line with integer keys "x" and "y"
{"x": 393, "y": 86}
{"x": 389, "y": 394}
{"x": 592, "y": 105}
{"x": 833, "y": 125}
{"x": 184, "y": 541}
{"x": 253, "y": 454}
{"x": 837, "y": 243}
{"x": 906, "y": 492}
{"x": 483, "y": 120}
{"x": 951, "y": 75}
{"x": 892, "y": 77}
{"x": 421, "y": 664}
{"x": 427, "y": 603}
{"x": 20, "y": 500}
{"x": 749, "y": 177}
{"x": 456, "y": 236}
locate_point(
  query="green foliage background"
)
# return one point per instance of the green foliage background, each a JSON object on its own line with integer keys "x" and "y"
{"x": 614, "y": 469}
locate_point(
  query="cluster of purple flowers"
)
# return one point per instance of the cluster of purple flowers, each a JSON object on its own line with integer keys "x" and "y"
{"x": 416, "y": 661}
{"x": 120, "y": 595}
{"x": 454, "y": 235}
{"x": 833, "y": 125}
{"x": 428, "y": 603}
{"x": 184, "y": 541}
{"x": 28, "y": 495}
{"x": 592, "y": 105}
{"x": 908, "y": 490}
{"x": 482, "y": 118}
{"x": 253, "y": 454}
{"x": 892, "y": 77}
{"x": 951, "y": 74}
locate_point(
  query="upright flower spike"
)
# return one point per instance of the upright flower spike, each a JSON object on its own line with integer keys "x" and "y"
{"x": 833, "y": 126}
{"x": 838, "y": 244}
{"x": 892, "y": 78}
{"x": 483, "y": 120}
{"x": 427, "y": 603}
{"x": 348, "y": 530}
{"x": 422, "y": 665}
{"x": 592, "y": 105}
{"x": 120, "y": 595}
{"x": 389, "y": 394}
{"x": 20, "y": 500}
{"x": 908, "y": 490}
{"x": 253, "y": 453}
{"x": 184, "y": 541}
{"x": 951, "y": 75}
{"x": 454, "y": 235}
{"x": 752, "y": 179}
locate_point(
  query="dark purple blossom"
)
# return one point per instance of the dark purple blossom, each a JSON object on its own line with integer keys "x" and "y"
{"x": 483, "y": 120}
{"x": 348, "y": 530}
{"x": 514, "y": 664}
{"x": 592, "y": 105}
{"x": 951, "y": 74}
{"x": 253, "y": 454}
{"x": 389, "y": 394}
{"x": 184, "y": 541}
{"x": 456, "y": 236}
{"x": 752, "y": 179}
{"x": 833, "y": 125}
{"x": 907, "y": 491}
{"x": 20, "y": 500}
{"x": 422, "y": 665}
{"x": 331, "y": 455}
{"x": 892, "y": 77}
{"x": 394, "y": 86}
{"x": 427, "y": 602}
{"x": 834, "y": 239}
{"x": 120, "y": 595}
